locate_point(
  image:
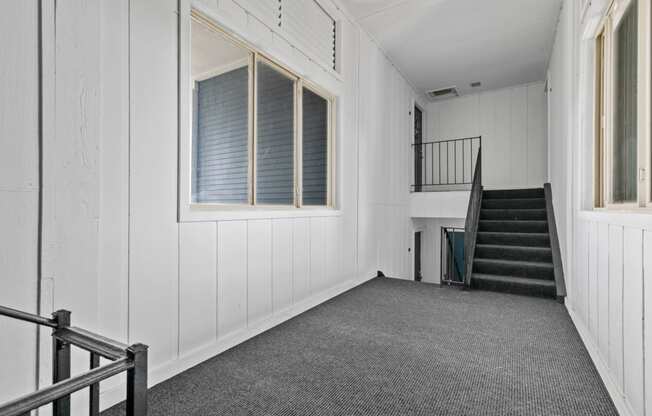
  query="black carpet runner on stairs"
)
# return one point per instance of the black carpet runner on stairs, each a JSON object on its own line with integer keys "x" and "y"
{"x": 513, "y": 251}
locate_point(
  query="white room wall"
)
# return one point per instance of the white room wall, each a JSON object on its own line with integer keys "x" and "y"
{"x": 512, "y": 123}
{"x": 607, "y": 255}
{"x": 19, "y": 185}
{"x": 113, "y": 251}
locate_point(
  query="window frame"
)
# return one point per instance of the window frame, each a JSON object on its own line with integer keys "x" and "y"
{"x": 189, "y": 210}
{"x": 604, "y": 85}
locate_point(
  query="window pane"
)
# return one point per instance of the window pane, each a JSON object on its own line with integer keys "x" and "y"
{"x": 315, "y": 149}
{"x": 275, "y": 137}
{"x": 625, "y": 123}
{"x": 220, "y": 155}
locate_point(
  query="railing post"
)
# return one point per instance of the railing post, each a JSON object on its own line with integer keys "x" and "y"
{"x": 137, "y": 381}
{"x": 61, "y": 363}
{"x": 94, "y": 390}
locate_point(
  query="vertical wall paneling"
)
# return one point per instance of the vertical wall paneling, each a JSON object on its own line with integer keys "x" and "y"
{"x": 301, "y": 261}
{"x": 616, "y": 303}
{"x": 282, "y": 255}
{"x": 519, "y": 137}
{"x": 114, "y": 174}
{"x": 317, "y": 255}
{"x": 18, "y": 191}
{"x": 647, "y": 310}
{"x": 603, "y": 290}
{"x": 197, "y": 285}
{"x": 259, "y": 270}
{"x": 537, "y": 147}
{"x": 592, "y": 280}
{"x": 153, "y": 233}
{"x": 633, "y": 319}
{"x": 231, "y": 276}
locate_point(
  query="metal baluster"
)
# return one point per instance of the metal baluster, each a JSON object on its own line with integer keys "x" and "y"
{"x": 455, "y": 164}
{"x": 94, "y": 390}
{"x": 61, "y": 363}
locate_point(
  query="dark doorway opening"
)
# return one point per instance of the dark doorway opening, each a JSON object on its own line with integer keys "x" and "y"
{"x": 418, "y": 149}
{"x": 417, "y": 256}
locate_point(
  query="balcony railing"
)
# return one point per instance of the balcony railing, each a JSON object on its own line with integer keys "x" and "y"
{"x": 445, "y": 165}
{"x": 130, "y": 359}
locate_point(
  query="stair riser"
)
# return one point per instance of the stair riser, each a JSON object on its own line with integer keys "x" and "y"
{"x": 514, "y": 253}
{"x": 514, "y": 194}
{"x": 514, "y": 239}
{"x": 518, "y": 289}
{"x": 513, "y": 214}
{"x": 514, "y": 226}
{"x": 506, "y": 269}
{"x": 513, "y": 203}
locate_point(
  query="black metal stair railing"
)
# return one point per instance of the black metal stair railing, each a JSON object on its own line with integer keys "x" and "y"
{"x": 438, "y": 165}
{"x": 124, "y": 358}
{"x": 472, "y": 220}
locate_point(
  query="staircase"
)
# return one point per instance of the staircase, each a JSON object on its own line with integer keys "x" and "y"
{"x": 513, "y": 251}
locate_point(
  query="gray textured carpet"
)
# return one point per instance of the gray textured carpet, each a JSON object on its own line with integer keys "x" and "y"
{"x": 393, "y": 347}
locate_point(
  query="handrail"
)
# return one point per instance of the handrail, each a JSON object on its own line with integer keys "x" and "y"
{"x": 472, "y": 220}
{"x": 130, "y": 359}
{"x": 58, "y": 390}
{"x": 27, "y": 317}
{"x": 558, "y": 269}
{"x": 448, "y": 140}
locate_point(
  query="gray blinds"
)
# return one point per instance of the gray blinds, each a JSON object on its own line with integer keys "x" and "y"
{"x": 625, "y": 140}
{"x": 315, "y": 149}
{"x": 220, "y": 150}
{"x": 274, "y": 137}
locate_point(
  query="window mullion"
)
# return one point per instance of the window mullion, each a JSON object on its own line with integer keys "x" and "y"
{"x": 298, "y": 144}
{"x": 253, "y": 136}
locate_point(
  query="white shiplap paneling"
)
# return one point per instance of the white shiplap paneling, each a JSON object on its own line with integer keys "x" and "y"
{"x": 231, "y": 277}
{"x": 197, "y": 285}
{"x": 633, "y": 363}
{"x": 259, "y": 270}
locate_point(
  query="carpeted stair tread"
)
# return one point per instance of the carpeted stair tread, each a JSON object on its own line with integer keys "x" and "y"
{"x": 519, "y": 203}
{"x": 514, "y": 193}
{"x": 513, "y": 214}
{"x": 515, "y": 226}
{"x": 526, "y": 269}
{"x": 514, "y": 284}
{"x": 507, "y": 252}
{"x": 514, "y": 239}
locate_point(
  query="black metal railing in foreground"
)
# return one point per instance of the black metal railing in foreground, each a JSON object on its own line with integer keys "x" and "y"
{"x": 472, "y": 220}
{"x": 130, "y": 359}
{"x": 452, "y": 256}
{"x": 444, "y": 163}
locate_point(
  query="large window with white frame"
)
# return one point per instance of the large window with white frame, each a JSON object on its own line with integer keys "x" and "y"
{"x": 622, "y": 145}
{"x": 261, "y": 136}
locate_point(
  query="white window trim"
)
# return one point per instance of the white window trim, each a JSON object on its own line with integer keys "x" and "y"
{"x": 189, "y": 211}
{"x": 610, "y": 22}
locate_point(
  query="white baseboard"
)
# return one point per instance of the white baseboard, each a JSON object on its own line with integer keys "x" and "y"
{"x": 617, "y": 395}
{"x": 116, "y": 394}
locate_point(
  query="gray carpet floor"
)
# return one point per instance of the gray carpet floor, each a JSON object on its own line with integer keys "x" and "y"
{"x": 393, "y": 347}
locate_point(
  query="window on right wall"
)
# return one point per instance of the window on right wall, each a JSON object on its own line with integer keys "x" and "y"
{"x": 622, "y": 148}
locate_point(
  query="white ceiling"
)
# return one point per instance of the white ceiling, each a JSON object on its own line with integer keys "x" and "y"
{"x": 441, "y": 43}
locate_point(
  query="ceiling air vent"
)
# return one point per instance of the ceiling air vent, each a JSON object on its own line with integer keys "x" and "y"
{"x": 443, "y": 93}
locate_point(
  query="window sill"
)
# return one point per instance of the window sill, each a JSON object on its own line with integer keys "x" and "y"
{"x": 209, "y": 213}
{"x": 633, "y": 217}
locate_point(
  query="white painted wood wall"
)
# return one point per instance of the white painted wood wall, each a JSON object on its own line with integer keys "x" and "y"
{"x": 512, "y": 123}
{"x": 19, "y": 184}
{"x": 607, "y": 255}
{"x": 113, "y": 251}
